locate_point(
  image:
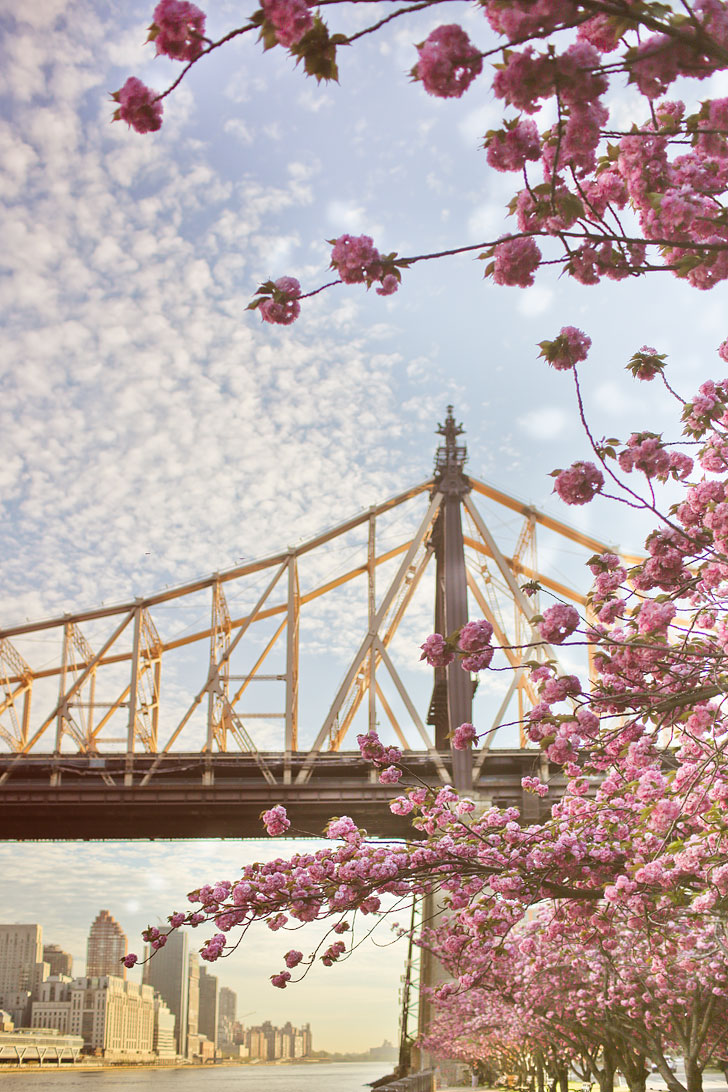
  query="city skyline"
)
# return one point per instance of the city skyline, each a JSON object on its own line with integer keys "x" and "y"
{"x": 174, "y": 1012}
{"x": 328, "y": 998}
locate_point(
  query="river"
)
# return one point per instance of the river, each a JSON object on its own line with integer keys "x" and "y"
{"x": 331, "y": 1077}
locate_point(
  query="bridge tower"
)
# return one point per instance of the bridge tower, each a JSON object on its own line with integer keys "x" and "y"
{"x": 452, "y": 695}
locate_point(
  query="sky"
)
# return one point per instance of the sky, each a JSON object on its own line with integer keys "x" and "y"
{"x": 154, "y": 431}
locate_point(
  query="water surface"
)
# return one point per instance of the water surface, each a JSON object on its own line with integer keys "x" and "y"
{"x": 333, "y": 1077}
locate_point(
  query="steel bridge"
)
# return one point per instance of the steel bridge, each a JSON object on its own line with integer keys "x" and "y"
{"x": 92, "y": 745}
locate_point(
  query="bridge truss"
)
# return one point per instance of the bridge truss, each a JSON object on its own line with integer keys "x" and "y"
{"x": 133, "y": 728}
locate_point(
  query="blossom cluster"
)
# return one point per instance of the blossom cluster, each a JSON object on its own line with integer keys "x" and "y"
{"x": 357, "y": 261}
{"x": 278, "y": 301}
{"x": 178, "y": 30}
{"x": 290, "y": 19}
{"x": 472, "y": 643}
{"x": 448, "y": 62}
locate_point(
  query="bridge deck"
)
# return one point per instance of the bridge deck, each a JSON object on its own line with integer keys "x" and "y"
{"x": 89, "y": 797}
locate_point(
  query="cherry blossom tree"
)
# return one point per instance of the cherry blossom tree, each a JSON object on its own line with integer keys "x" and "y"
{"x": 594, "y": 197}
{"x": 587, "y": 994}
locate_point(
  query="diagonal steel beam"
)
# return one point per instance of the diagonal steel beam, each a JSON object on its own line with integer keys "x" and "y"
{"x": 373, "y": 657}
{"x": 392, "y": 719}
{"x": 410, "y": 707}
{"x": 71, "y": 691}
{"x": 214, "y": 670}
{"x": 481, "y": 755}
{"x": 520, "y": 599}
{"x": 423, "y": 529}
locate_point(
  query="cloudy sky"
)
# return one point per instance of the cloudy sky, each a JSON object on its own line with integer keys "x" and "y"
{"x": 153, "y": 431}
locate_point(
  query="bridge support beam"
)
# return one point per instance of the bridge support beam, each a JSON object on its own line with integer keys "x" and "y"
{"x": 452, "y": 698}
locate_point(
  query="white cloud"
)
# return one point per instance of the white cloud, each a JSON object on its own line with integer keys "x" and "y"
{"x": 485, "y": 222}
{"x": 349, "y": 217}
{"x": 238, "y": 128}
{"x": 536, "y": 302}
{"x": 473, "y": 126}
{"x": 546, "y": 423}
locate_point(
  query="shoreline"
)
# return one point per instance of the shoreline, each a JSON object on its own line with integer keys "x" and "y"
{"x": 92, "y": 1067}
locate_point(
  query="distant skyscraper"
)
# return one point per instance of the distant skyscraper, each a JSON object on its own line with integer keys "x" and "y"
{"x": 228, "y": 1001}
{"x": 168, "y": 972}
{"x": 107, "y": 946}
{"x": 59, "y": 962}
{"x": 193, "y": 1007}
{"x": 208, "y": 1005}
{"x": 21, "y": 968}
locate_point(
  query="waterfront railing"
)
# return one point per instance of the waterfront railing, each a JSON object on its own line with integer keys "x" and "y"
{"x": 416, "y": 1082}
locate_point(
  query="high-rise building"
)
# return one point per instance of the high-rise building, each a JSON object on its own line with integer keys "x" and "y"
{"x": 114, "y": 1016}
{"x": 168, "y": 972}
{"x": 193, "y": 1007}
{"x": 107, "y": 946}
{"x": 227, "y": 1006}
{"x": 21, "y": 969}
{"x": 164, "y": 1043}
{"x": 120, "y": 1019}
{"x": 270, "y": 1043}
{"x": 59, "y": 962}
{"x": 51, "y": 1006}
{"x": 209, "y": 1002}
{"x": 307, "y": 1040}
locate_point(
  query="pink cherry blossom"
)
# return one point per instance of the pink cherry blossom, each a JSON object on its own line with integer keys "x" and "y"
{"x": 345, "y": 828}
{"x": 436, "y": 651}
{"x": 511, "y": 148}
{"x": 276, "y": 821}
{"x": 645, "y": 452}
{"x": 477, "y": 661}
{"x": 655, "y": 617}
{"x": 534, "y": 785}
{"x": 516, "y": 261}
{"x": 463, "y": 736}
{"x": 474, "y": 636}
{"x": 178, "y": 29}
{"x": 291, "y": 19}
{"x": 139, "y": 106}
{"x": 559, "y": 622}
{"x": 448, "y": 63}
{"x": 579, "y": 484}
{"x": 570, "y": 347}
{"x": 389, "y": 285}
{"x": 356, "y": 259}
{"x": 282, "y": 308}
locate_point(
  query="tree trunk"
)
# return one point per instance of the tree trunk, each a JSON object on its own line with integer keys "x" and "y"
{"x": 540, "y": 1083}
{"x": 635, "y": 1071}
{"x": 693, "y": 1076}
{"x": 563, "y": 1079}
{"x": 605, "y": 1075}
